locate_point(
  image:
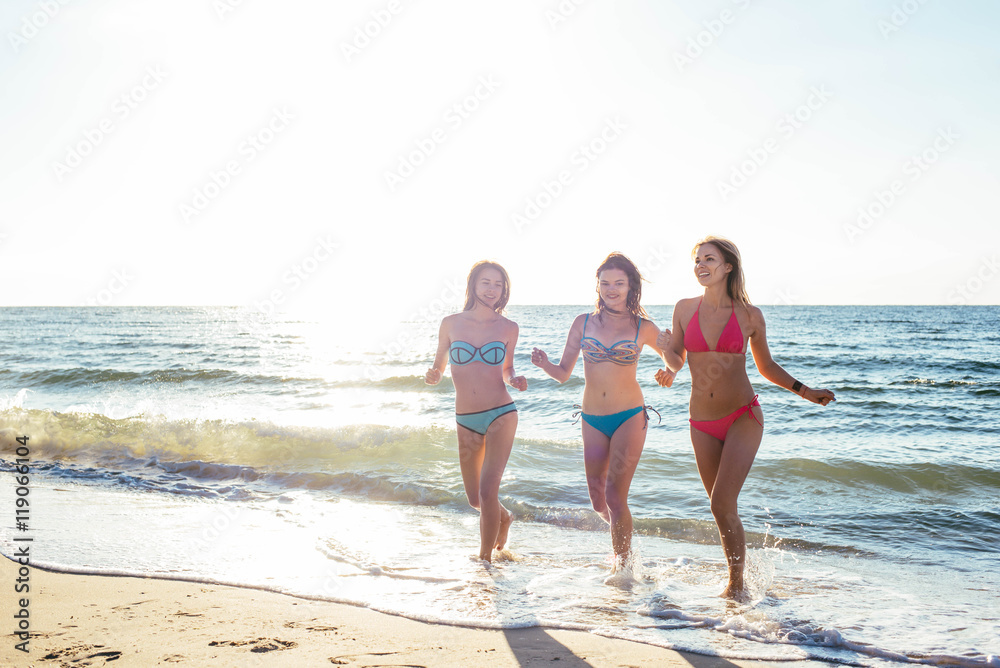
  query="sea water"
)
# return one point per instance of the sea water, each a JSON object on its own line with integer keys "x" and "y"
{"x": 213, "y": 445}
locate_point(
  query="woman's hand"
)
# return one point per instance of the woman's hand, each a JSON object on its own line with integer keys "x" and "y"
{"x": 663, "y": 340}
{"x": 432, "y": 377}
{"x": 539, "y": 358}
{"x": 665, "y": 377}
{"x": 519, "y": 383}
{"x": 821, "y": 397}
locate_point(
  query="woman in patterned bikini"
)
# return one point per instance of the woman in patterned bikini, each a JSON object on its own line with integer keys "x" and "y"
{"x": 614, "y": 420}
{"x": 729, "y": 424}
{"x": 480, "y": 342}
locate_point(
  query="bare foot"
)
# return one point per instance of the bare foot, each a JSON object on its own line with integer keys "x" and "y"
{"x": 736, "y": 593}
{"x": 622, "y": 572}
{"x": 505, "y": 522}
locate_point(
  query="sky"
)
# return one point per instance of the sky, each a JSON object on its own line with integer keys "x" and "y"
{"x": 359, "y": 157}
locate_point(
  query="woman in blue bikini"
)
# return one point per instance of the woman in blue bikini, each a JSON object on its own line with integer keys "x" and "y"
{"x": 480, "y": 342}
{"x": 614, "y": 419}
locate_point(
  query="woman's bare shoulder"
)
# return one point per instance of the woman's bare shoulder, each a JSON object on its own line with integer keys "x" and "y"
{"x": 687, "y": 305}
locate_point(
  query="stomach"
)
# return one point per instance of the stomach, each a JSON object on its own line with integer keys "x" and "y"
{"x": 719, "y": 384}
{"x": 479, "y": 389}
{"x": 610, "y": 390}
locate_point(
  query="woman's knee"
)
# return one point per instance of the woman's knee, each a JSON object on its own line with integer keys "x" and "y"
{"x": 617, "y": 499}
{"x": 595, "y": 487}
{"x": 489, "y": 489}
{"x": 724, "y": 509}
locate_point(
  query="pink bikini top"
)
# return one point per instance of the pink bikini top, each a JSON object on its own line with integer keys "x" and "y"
{"x": 731, "y": 340}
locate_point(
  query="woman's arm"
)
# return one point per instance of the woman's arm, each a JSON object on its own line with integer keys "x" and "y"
{"x": 649, "y": 335}
{"x": 773, "y": 371}
{"x": 517, "y": 382}
{"x": 672, "y": 342}
{"x": 571, "y": 353}
{"x": 433, "y": 375}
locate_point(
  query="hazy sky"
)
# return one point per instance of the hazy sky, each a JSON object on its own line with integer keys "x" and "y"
{"x": 362, "y": 155}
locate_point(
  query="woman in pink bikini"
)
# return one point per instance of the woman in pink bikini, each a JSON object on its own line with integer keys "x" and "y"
{"x": 726, "y": 420}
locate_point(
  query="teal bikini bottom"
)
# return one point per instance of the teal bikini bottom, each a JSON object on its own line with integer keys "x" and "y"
{"x": 608, "y": 424}
{"x": 481, "y": 421}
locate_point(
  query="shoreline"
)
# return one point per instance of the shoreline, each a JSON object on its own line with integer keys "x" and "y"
{"x": 93, "y": 620}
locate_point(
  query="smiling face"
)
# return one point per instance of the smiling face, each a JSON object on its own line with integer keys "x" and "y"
{"x": 489, "y": 287}
{"x": 613, "y": 286}
{"x": 709, "y": 266}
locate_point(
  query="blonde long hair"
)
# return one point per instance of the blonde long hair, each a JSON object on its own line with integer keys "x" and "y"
{"x": 735, "y": 284}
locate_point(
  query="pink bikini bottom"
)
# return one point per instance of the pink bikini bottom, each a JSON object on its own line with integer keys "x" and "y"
{"x": 719, "y": 428}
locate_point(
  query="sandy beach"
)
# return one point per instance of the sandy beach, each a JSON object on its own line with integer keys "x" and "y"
{"x": 79, "y": 620}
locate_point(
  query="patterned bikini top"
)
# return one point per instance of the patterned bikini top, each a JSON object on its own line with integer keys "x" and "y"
{"x": 492, "y": 353}
{"x": 623, "y": 352}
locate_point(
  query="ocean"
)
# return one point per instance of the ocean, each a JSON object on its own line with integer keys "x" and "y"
{"x": 217, "y": 445}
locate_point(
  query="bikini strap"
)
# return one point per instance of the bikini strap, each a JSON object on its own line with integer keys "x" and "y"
{"x": 585, "y": 321}
{"x": 750, "y": 411}
{"x": 638, "y": 327}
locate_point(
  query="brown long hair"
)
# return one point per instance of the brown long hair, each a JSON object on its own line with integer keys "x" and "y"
{"x": 470, "y": 286}
{"x": 618, "y": 261}
{"x": 736, "y": 284}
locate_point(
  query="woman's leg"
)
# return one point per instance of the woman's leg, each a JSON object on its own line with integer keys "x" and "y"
{"x": 626, "y": 448}
{"x": 494, "y": 519}
{"x": 470, "y": 458}
{"x": 596, "y": 449}
{"x": 742, "y": 443}
{"x": 723, "y": 470}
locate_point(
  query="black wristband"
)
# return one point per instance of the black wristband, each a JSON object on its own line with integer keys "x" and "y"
{"x": 796, "y": 387}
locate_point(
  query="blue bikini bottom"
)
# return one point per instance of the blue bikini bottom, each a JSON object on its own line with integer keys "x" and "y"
{"x": 608, "y": 424}
{"x": 481, "y": 421}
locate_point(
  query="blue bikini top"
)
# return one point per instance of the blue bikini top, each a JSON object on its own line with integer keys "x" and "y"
{"x": 492, "y": 353}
